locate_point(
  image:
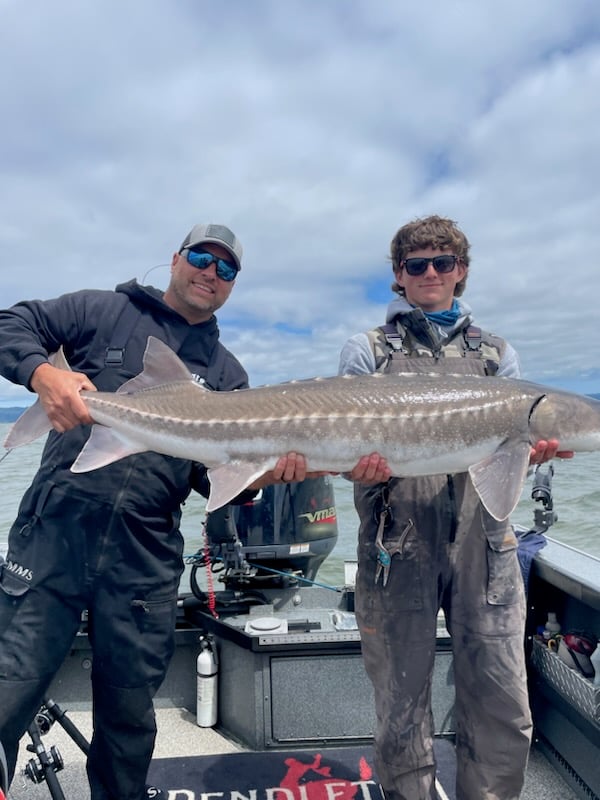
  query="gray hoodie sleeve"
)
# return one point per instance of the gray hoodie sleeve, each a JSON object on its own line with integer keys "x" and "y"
{"x": 509, "y": 366}
{"x": 357, "y": 357}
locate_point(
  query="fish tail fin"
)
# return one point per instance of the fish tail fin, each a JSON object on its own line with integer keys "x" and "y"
{"x": 34, "y": 422}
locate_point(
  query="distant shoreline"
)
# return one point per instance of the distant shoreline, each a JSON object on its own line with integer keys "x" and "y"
{"x": 11, "y": 413}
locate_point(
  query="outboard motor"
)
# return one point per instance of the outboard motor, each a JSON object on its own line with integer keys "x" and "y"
{"x": 289, "y": 528}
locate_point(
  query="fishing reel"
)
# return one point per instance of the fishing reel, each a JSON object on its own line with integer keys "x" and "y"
{"x": 45, "y": 763}
{"x": 37, "y": 771}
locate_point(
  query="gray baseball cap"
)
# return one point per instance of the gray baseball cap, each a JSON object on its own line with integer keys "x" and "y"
{"x": 217, "y": 234}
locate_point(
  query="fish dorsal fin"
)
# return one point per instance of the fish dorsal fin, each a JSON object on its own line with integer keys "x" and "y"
{"x": 34, "y": 422}
{"x": 499, "y": 478}
{"x": 161, "y": 365}
{"x": 228, "y": 480}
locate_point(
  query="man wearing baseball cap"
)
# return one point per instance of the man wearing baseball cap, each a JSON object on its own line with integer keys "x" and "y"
{"x": 108, "y": 541}
{"x": 203, "y": 272}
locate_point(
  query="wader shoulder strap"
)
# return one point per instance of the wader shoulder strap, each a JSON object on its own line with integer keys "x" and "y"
{"x": 121, "y": 332}
{"x": 117, "y": 332}
{"x": 486, "y": 346}
{"x": 384, "y": 341}
{"x": 473, "y": 338}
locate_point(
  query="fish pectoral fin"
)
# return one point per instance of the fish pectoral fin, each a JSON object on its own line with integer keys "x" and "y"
{"x": 104, "y": 447}
{"x": 499, "y": 478}
{"x": 228, "y": 480}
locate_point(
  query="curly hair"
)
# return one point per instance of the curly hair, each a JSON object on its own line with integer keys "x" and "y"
{"x": 434, "y": 231}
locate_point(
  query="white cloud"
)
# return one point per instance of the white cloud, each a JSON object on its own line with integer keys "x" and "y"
{"x": 314, "y": 129}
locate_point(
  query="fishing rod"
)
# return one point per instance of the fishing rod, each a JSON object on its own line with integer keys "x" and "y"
{"x": 8, "y": 452}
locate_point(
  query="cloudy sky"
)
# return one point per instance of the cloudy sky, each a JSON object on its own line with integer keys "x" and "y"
{"x": 314, "y": 129}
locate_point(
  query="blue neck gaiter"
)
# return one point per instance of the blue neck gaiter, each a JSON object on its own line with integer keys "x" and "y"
{"x": 447, "y": 317}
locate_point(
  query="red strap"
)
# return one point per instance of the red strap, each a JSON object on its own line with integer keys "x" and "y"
{"x": 212, "y": 600}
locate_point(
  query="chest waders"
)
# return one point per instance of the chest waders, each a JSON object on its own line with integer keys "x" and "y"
{"x": 427, "y": 544}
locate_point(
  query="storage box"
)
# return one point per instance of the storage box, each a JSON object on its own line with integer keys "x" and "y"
{"x": 579, "y": 691}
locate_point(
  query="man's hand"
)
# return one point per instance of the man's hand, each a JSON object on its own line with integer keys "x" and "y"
{"x": 292, "y": 467}
{"x": 58, "y": 390}
{"x": 543, "y": 451}
{"x": 370, "y": 469}
{"x": 289, "y": 469}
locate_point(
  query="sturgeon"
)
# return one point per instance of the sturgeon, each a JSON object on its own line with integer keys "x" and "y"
{"x": 422, "y": 424}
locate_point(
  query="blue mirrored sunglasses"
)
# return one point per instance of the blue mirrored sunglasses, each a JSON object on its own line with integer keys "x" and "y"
{"x": 202, "y": 259}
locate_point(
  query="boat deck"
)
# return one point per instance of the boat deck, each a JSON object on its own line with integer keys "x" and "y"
{"x": 269, "y": 682}
{"x": 178, "y": 735}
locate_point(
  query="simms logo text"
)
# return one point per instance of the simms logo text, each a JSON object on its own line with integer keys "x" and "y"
{"x": 17, "y": 569}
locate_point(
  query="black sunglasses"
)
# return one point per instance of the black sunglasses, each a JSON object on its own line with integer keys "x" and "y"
{"x": 417, "y": 266}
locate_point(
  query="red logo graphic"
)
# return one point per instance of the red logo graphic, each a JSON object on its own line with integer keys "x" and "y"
{"x": 314, "y": 782}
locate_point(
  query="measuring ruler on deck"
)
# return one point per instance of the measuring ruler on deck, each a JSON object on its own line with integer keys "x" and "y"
{"x": 307, "y": 638}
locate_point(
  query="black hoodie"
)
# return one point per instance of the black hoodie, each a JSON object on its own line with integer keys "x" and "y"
{"x": 85, "y": 324}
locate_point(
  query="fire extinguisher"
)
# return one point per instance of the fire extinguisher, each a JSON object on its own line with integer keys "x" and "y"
{"x": 3, "y": 774}
{"x": 207, "y": 671}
